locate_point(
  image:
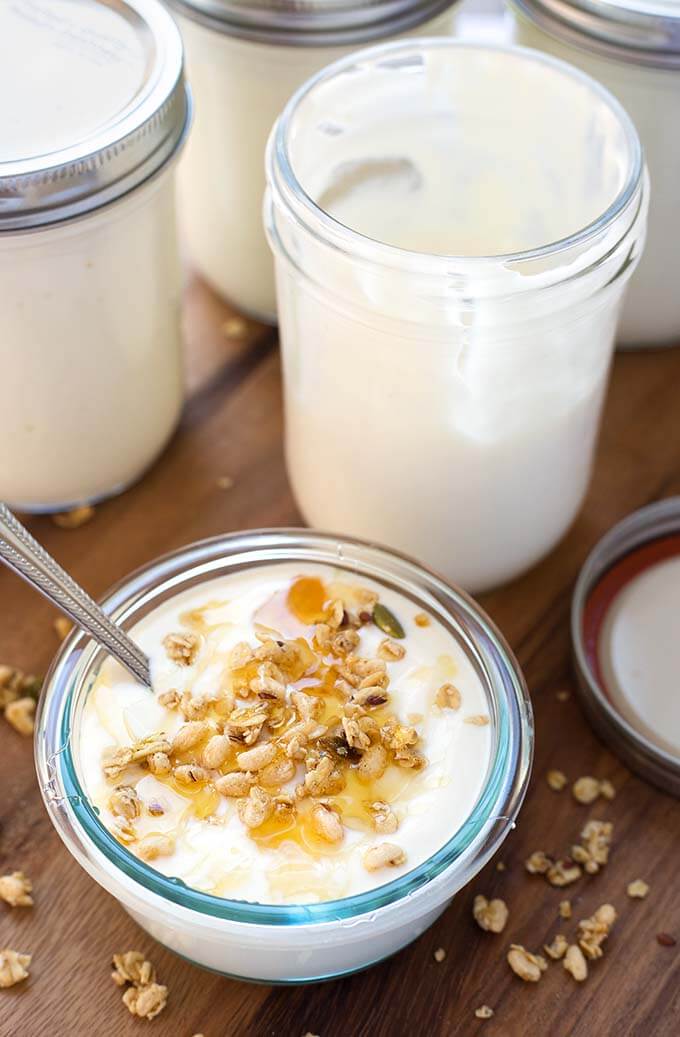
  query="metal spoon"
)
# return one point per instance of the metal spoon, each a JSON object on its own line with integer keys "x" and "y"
{"x": 22, "y": 553}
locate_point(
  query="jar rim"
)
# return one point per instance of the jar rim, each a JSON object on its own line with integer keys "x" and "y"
{"x": 285, "y": 185}
{"x": 89, "y": 166}
{"x": 624, "y": 30}
{"x": 309, "y": 23}
{"x": 74, "y": 666}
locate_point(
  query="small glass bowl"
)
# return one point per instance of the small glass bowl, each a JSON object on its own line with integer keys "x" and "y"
{"x": 285, "y": 943}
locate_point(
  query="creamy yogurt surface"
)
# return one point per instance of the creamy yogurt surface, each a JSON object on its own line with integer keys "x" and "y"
{"x": 368, "y": 746}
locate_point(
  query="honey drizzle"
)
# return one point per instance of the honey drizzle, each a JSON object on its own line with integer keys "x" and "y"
{"x": 306, "y": 599}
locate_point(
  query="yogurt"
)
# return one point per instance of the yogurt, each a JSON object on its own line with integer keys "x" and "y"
{"x": 408, "y": 762}
{"x": 449, "y": 287}
{"x": 234, "y": 868}
{"x": 245, "y": 61}
{"x": 90, "y": 337}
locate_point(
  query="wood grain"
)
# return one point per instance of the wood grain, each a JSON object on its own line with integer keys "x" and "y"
{"x": 233, "y": 426}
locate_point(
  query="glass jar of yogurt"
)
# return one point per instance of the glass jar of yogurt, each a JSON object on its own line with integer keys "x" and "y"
{"x": 449, "y": 273}
{"x": 245, "y": 60}
{"x": 90, "y": 301}
{"x": 336, "y": 741}
{"x": 633, "y": 48}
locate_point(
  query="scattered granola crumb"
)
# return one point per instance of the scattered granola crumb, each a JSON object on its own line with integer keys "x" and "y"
{"x": 594, "y": 931}
{"x": 74, "y": 518}
{"x": 146, "y": 1002}
{"x": 490, "y": 915}
{"x": 529, "y": 967}
{"x": 558, "y": 948}
{"x": 585, "y": 790}
{"x": 565, "y": 908}
{"x": 13, "y": 967}
{"x": 15, "y": 684}
{"x": 666, "y": 940}
{"x": 556, "y": 780}
{"x": 483, "y": 1012}
{"x": 638, "y": 889}
{"x": 62, "y": 627}
{"x": 501, "y": 866}
{"x": 563, "y": 872}
{"x": 575, "y": 963}
{"x": 20, "y": 714}
{"x": 15, "y": 889}
{"x": 235, "y": 328}
{"x": 478, "y": 719}
{"x": 538, "y": 863}
{"x": 132, "y": 967}
{"x": 225, "y": 482}
{"x": 385, "y": 855}
{"x": 448, "y": 697}
{"x": 563, "y": 695}
{"x": 421, "y": 619}
{"x": 144, "y": 997}
{"x": 439, "y": 954}
{"x": 182, "y": 648}
{"x": 593, "y": 850}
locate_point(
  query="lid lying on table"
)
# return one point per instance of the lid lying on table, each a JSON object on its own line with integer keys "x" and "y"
{"x": 644, "y": 31}
{"x": 98, "y": 104}
{"x": 312, "y": 22}
{"x": 626, "y": 638}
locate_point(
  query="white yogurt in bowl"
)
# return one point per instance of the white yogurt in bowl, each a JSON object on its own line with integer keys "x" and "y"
{"x": 335, "y": 742}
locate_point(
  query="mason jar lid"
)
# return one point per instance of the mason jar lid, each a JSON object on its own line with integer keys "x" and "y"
{"x": 625, "y": 631}
{"x": 644, "y": 31}
{"x": 311, "y": 22}
{"x": 98, "y": 104}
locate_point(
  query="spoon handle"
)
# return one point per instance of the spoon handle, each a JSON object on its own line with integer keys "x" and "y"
{"x": 22, "y": 553}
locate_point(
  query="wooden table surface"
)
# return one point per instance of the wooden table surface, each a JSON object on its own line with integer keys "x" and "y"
{"x": 233, "y": 426}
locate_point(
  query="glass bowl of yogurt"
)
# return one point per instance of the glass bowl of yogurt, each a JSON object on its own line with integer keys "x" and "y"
{"x": 335, "y": 743}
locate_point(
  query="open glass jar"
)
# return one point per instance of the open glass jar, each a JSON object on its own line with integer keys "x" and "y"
{"x": 449, "y": 273}
{"x": 245, "y": 60}
{"x": 633, "y": 48}
{"x": 90, "y": 342}
{"x": 285, "y": 942}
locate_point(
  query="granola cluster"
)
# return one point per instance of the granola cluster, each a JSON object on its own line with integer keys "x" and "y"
{"x": 143, "y": 996}
{"x": 281, "y": 733}
{"x": 592, "y": 933}
{"x": 13, "y": 967}
{"x": 18, "y": 694}
{"x": 589, "y": 855}
{"x": 15, "y": 889}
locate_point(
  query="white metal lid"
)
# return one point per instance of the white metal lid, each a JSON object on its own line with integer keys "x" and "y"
{"x": 311, "y": 22}
{"x": 644, "y": 31}
{"x": 98, "y": 104}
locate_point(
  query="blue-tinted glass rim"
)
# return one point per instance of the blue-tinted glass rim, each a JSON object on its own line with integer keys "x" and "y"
{"x": 500, "y": 799}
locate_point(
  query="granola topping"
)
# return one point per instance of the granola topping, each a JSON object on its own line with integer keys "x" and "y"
{"x": 299, "y": 724}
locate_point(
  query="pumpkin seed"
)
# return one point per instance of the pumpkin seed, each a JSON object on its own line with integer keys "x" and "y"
{"x": 387, "y": 622}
